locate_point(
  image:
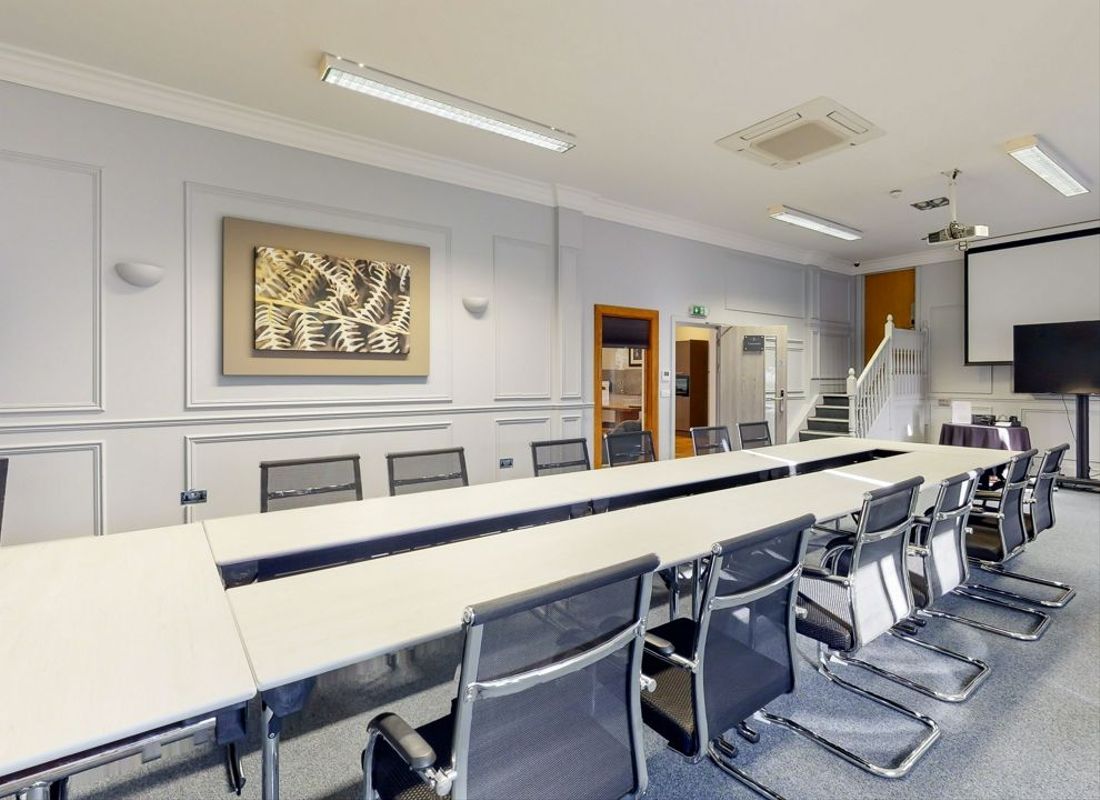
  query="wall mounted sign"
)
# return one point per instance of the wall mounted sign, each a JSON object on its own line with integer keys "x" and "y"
{"x": 753, "y": 344}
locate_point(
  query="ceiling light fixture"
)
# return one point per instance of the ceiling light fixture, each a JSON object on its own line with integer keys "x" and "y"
{"x": 1030, "y": 152}
{"x": 359, "y": 78}
{"x": 814, "y": 223}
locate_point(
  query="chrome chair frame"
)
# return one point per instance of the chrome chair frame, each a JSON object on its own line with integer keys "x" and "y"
{"x": 267, "y": 495}
{"x": 752, "y": 443}
{"x": 397, "y": 483}
{"x": 827, "y": 656}
{"x": 1042, "y": 491}
{"x": 725, "y": 446}
{"x": 586, "y": 463}
{"x": 452, "y": 779}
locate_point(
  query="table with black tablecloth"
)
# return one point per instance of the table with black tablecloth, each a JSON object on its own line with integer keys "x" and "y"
{"x": 991, "y": 437}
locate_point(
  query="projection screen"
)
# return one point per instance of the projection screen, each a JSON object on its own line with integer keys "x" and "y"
{"x": 1046, "y": 279}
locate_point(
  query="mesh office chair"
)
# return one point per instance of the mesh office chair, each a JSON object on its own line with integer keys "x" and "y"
{"x": 714, "y": 673}
{"x": 631, "y": 447}
{"x": 1037, "y": 515}
{"x": 864, "y": 595}
{"x": 561, "y": 455}
{"x": 754, "y": 434}
{"x": 425, "y": 470}
{"x": 3, "y": 489}
{"x": 705, "y": 441}
{"x": 302, "y": 482}
{"x": 548, "y": 703}
{"x": 938, "y": 563}
{"x": 999, "y": 531}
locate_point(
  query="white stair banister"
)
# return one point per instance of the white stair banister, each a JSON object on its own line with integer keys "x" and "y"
{"x": 893, "y": 377}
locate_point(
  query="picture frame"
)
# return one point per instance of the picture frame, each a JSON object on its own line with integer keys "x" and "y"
{"x": 635, "y": 356}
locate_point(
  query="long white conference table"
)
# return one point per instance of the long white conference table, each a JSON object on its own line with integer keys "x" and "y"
{"x": 152, "y": 651}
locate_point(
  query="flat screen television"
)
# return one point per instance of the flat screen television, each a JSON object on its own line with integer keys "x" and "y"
{"x": 1058, "y": 358}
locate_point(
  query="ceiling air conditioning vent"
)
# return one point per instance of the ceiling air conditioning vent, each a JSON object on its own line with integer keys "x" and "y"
{"x": 809, "y": 131}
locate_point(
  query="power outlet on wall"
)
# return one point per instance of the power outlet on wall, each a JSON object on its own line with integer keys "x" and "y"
{"x": 506, "y": 463}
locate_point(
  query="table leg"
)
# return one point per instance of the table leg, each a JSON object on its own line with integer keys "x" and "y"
{"x": 272, "y": 728}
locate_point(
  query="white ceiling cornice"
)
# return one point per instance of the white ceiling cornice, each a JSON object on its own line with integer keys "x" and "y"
{"x": 933, "y": 254}
{"x": 42, "y": 71}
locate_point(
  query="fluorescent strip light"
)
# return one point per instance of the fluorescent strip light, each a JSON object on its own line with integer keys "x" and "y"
{"x": 1028, "y": 152}
{"x": 814, "y": 223}
{"x": 363, "y": 79}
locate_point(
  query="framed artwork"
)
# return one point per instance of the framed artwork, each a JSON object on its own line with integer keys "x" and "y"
{"x": 635, "y": 356}
{"x": 305, "y": 302}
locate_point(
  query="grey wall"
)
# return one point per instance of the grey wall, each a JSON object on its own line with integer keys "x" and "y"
{"x": 112, "y": 398}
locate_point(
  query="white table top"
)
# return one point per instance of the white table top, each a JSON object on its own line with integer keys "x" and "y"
{"x": 110, "y": 636}
{"x": 234, "y": 540}
{"x": 299, "y": 626}
{"x": 932, "y": 466}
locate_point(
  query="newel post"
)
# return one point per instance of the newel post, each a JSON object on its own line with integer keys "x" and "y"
{"x": 889, "y": 325}
{"x": 850, "y": 384}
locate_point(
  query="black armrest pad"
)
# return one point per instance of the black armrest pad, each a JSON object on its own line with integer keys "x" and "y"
{"x": 406, "y": 742}
{"x": 658, "y": 645}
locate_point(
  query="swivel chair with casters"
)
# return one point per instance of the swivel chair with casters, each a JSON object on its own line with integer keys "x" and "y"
{"x": 560, "y": 455}
{"x": 713, "y": 439}
{"x": 717, "y": 670}
{"x": 426, "y": 470}
{"x": 548, "y": 703}
{"x": 938, "y": 553}
{"x": 863, "y": 596}
{"x": 1036, "y": 514}
{"x": 754, "y": 434}
{"x": 303, "y": 482}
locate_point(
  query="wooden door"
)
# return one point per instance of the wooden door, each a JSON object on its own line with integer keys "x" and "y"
{"x": 887, "y": 293}
{"x": 650, "y": 374}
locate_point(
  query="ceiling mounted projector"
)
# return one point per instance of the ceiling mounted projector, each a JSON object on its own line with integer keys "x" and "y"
{"x": 955, "y": 231}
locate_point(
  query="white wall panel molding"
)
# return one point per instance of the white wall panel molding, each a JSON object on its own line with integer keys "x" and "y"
{"x": 203, "y": 357}
{"x": 525, "y": 318}
{"x": 512, "y": 437}
{"x": 53, "y": 509}
{"x": 42, "y": 71}
{"x": 193, "y": 443}
{"x": 86, "y": 274}
{"x": 571, "y": 426}
{"x": 570, "y": 324}
{"x": 244, "y": 418}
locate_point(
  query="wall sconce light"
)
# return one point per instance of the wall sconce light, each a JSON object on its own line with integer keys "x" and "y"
{"x": 136, "y": 274}
{"x": 476, "y": 305}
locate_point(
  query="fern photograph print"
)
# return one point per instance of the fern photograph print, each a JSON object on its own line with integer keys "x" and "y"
{"x": 311, "y": 302}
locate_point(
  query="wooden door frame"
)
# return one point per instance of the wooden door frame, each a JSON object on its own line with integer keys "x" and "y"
{"x": 651, "y": 411}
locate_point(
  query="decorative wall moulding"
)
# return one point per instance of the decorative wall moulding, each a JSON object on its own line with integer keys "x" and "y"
{"x": 138, "y": 274}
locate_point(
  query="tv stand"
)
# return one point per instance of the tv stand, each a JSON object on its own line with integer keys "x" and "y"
{"x": 1082, "y": 480}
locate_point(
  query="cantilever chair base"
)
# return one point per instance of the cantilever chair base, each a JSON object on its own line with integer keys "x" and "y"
{"x": 963, "y": 693}
{"x": 1067, "y": 591}
{"x": 722, "y": 753}
{"x": 1023, "y": 636}
{"x": 901, "y": 766}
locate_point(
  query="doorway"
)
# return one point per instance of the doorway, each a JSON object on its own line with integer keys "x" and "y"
{"x": 752, "y": 363}
{"x": 625, "y": 360}
{"x": 695, "y": 382}
{"x": 887, "y": 293}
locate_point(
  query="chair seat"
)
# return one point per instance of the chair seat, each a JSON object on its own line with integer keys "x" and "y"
{"x": 984, "y": 542}
{"x": 826, "y": 620}
{"x": 393, "y": 780}
{"x": 668, "y": 709}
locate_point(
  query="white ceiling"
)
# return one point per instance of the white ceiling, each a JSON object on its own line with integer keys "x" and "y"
{"x": 648, "y": 86}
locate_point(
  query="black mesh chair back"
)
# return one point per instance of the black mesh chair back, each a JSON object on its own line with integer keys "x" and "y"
{"x": 941, "y": 534}
{"x": 548, "y": 702}
{"x": 1040, "y": 515}
{"x": 561, "y": 455}
{"x": 302, "y": 482}
{"x": 746, "y": 629}
{"x": 754, "y": 434}
{"x": 1011, "y": 506}
{"x": 3, "y": 489}
{"x": 425, "y": 470}
{"x": 635, "y": 447}
{"x": 705, "y": 441}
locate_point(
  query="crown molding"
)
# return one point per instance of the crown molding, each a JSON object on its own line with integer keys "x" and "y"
{"x": 917, "y": 258}
{"x": 49, "y": 73}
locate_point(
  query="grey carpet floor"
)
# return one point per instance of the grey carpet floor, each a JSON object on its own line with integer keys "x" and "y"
{"x": 1031, "y": 731}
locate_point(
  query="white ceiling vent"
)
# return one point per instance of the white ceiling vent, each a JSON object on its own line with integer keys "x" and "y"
{"x": 809, "y": 131}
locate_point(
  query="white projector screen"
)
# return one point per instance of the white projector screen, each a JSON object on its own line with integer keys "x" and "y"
{"x": 1048, "y": 279}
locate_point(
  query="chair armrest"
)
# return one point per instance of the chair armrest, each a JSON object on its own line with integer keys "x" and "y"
{"x": 659, "y": 645}
{"x": 987, "y": 514}
{"x": 822, "y": 575}
{"x": 648, "y": 684}
{"x": 405, "y": 741}
{"x": 820, "y": 530}
{"x": 917, "y": 550}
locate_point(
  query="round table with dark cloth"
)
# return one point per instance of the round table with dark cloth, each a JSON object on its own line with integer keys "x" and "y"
{"x": 988, "y": 436}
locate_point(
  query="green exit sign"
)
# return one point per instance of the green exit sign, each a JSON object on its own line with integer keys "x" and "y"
{"x": 698, "y": 311}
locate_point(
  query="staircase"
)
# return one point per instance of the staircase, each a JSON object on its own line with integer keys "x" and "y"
{"x": 829, "y": 418}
